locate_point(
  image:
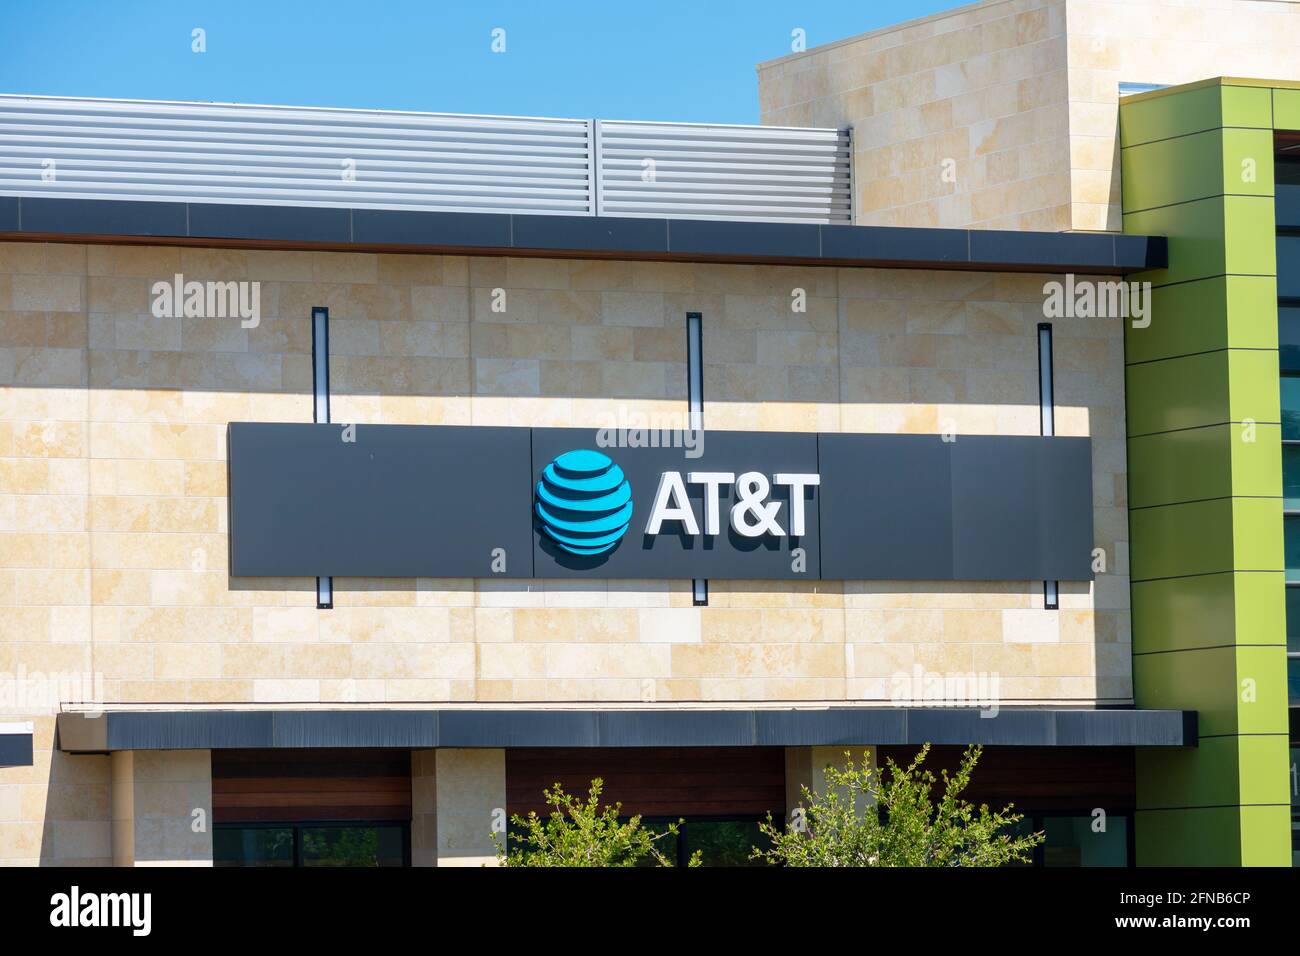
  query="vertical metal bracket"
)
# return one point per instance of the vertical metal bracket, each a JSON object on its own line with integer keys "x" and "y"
{"x": 695, "y": 417}
{"x": 1047, "y": 427}
{"x": 320, "y": 389}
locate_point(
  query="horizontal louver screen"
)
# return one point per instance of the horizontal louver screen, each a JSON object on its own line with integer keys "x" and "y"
{"x": 194, "y": 152}
{"x": 686, "y": 171}
{"x": 364, "y": 159}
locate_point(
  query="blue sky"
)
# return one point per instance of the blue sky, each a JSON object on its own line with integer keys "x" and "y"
{"x": 667, "y": 60}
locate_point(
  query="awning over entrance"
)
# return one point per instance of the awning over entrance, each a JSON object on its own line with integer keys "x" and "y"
{"x": 215, "y": 729}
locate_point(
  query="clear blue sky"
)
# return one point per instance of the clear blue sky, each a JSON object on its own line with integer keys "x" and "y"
{"x": 616, "y": 59}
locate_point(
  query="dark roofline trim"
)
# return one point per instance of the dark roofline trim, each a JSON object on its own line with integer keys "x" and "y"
{"x": 39, "y": 219}
{"x": 222, "y": 729}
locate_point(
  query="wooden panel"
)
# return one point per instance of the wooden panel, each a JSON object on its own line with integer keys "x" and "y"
{"x": 293, "y": 786}
{"x": 1038, "y": 778}
{"x": 654, "y": 781}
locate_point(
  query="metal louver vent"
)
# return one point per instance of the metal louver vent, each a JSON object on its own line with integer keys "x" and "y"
{"x": 369, "y": 159}
{"x": 690, "y": 171}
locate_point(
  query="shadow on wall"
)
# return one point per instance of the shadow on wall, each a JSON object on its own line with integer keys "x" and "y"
{"x": 76, "y": 822}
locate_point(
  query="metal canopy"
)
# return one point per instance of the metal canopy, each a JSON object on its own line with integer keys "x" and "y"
{"x": 214, "y": 729}
{"x": 600, "y": 237}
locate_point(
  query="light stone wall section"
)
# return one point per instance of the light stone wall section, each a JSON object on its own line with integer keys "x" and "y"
{"x": 1163, "y": 42}
{"x": 958, "y": 119}
{"x": 470, "y": 800}
{"x": 805, "y": 769}
{"x": 161, "y": 807}
{"x": 112, "y": 479}
{"x": 57, "y": 811}
{"x": 1020, "y": 95}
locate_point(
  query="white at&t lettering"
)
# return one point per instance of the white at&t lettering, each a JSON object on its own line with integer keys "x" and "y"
{"x": 752, "y": 515}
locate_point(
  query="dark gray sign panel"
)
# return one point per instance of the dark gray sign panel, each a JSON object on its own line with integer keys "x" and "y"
{"x": 886, "y": 507}
{"x": 672, "y": 553}
{"x": 445, "y": 501}
{"x": 980, "y": 508}
{"x": 397, "y": 501}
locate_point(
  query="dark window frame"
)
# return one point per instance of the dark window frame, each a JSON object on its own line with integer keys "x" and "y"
{"x": 1038, "y": 818}
{"x": 657, "y": 822}
{"x": 297, "y": 826}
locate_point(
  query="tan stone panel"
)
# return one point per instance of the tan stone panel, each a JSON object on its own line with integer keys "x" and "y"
{"x": 47, "y": 586}
{"x": 286, "y": 691}
{"x": 54, "y": 439}
{"x": 150, "y": 624}
{"x": 185, "y": 662}
{"x": 604, "y": 625}
{"x": 253, "y": 660}
{"x": 285, "y": 625}
{"x": 47, "y": 293}
{"x": 507, "y": 662}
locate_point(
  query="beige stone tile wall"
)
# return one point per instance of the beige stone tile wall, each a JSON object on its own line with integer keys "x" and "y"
{"x": 56, "y": 812}
{"x": 1165, "y": 42}
{"x": 112, "y": 484}
{"x": 958, "y": 119}
{"x": 161, "y": 807}
{"x": 1020, "y": 95}
{"x": 469, "y": 799}
{"x": 113, "y": 469}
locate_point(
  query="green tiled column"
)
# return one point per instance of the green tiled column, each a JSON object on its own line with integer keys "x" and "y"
{"x": 1205, "y": 476}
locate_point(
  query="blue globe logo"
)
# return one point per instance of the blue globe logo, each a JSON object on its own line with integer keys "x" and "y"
{"x": 583, "y": 502}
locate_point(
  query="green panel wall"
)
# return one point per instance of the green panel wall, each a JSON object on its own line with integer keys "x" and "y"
{"x": 1200, "y": 306}
{"x": 1205, "y": 474}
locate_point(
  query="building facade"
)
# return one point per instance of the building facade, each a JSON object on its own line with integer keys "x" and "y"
{"x": 289, "y": 583}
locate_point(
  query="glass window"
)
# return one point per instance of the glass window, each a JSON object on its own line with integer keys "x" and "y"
{"x": 1288, "y": 267}
{"x": 1290, "y": 407}
{"x": 723, "y": 842}
{"x": 1291, "y": 477}
{"x": 252, "y": 846}
{"x": 1287, "y": 206}
{"x": 1288, "y": 337}
{"x": 1293, "y": 620}
{"x": 1293, "y": 680}
{"x": 1294, "y": 780}
{"x": 1291, "y": 542}
{"x": 360, "y": 844}
{"x": 352, "y": 846}
{"x": 1286, "y": 178}
{"x": 1074, "y": 841}
{"x": 670, "y": 846}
